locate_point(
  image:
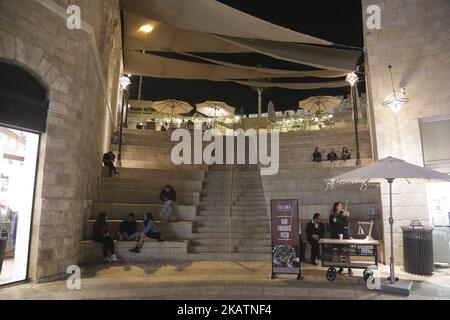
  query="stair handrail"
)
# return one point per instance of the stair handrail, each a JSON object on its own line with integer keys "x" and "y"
{"x": 230, "y": 247}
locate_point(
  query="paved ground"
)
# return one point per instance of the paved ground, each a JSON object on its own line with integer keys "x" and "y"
{"x": 220, "y": 280}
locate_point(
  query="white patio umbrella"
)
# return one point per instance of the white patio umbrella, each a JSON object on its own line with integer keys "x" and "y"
{"x": 320, "y": 103}
{"x": 215, "y": 109}
{"x": 171, "y": 106}
{"x": 390, "y": 169}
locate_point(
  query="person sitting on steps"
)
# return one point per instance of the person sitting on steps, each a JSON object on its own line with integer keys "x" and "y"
{"x": 151, "y": 231}
{"x": 128, "y": 229}
{"x": 332, "y": 156}
{"x": 317, "y": 155}
{"x": 315, "y": 230}
{"x": 168, "y": 196}
{"x": 101, "y": 235}
{"x": 108, "y": 161}
{"x": 345, "y": 154}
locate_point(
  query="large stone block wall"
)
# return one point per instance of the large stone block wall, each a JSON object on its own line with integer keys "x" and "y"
{"x": 80, "y": 69}
{"x": 415, "y": 39}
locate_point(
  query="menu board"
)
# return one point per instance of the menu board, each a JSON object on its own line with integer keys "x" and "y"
{"x": 285, "y": 237}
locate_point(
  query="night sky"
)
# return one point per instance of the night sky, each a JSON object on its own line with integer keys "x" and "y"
{"x": 339, "y": 21}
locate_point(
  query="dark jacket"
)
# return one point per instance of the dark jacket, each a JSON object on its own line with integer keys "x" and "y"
{"x": 100, "y": 231}
{"x": 340, "y": 226}
{"x": 109, "y": 156}
{"x": 311, "y": 230}
{"x": 128, "y": 227}
{"x": 170, "y": 195}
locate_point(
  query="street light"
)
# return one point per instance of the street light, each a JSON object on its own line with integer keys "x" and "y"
{"x": 397, "y": 99}
{"x": 353, "y": 78}
{"x": 124, "y": 82}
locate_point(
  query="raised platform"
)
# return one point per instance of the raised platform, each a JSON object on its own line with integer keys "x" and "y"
{"x": 181, "y": 230}
{"x": 152, "y": 251}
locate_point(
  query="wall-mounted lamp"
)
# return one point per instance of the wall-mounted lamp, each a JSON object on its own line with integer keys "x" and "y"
{"x": 125, "y": 82}
{"x": 352, "y": 78}
{"x": 397, "y": 99}
{"x": 146, "y": 28}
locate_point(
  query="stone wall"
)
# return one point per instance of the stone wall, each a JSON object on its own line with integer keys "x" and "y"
{"x": 415, "y": 39}
{"x": 80, "y": 69}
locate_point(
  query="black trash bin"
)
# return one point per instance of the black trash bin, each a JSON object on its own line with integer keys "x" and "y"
{"x": 3, "y": 242}
{"x": 418, "y": 249}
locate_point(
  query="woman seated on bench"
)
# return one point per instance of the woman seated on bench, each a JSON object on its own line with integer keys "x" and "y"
{"x": 151, "y": 231}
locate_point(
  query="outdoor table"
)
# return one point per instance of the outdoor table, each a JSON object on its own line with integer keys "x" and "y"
{"x": 335, "y": 252}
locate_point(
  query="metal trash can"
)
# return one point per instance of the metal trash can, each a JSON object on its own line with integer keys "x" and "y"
{"x": 418, "y": 249}
{"x": 3, "y": 242}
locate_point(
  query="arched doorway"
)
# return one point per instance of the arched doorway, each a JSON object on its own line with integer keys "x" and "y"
{"x": 23, "y": 116}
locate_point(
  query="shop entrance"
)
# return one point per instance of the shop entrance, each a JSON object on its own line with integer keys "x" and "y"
{"x": 18, "y": 158}
{"x": 23, "y": 114}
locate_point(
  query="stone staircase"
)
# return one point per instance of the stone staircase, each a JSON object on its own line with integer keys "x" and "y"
{"x": 146, "y": 169}
{"x": 243, "y": 207}
{"x": 205, "y": 202}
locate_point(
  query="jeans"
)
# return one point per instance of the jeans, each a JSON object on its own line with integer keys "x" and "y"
{"x": 166, "y": 211}
{"x": 154, "y": 235}
{"x": 314, "y": 250}
{"x": 133, "y": 237}
{"x": 110, "y": 165}
{"x": 108, "y": 245}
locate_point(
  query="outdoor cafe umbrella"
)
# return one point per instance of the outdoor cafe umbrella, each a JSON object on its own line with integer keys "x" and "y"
{"x": 390, "y": 169}
{"x": 172, "y": 107}
{"x": 215, "y": 109}
{"x": 319, "y": 103}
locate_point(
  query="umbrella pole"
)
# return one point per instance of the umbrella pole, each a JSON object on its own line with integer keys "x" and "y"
{"x": 391, "y": 222}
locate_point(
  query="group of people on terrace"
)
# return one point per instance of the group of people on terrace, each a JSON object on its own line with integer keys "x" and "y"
{"x": 332, "y": 155}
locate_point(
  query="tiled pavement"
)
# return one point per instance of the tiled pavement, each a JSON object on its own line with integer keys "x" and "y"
{"x": 220, "y": 280}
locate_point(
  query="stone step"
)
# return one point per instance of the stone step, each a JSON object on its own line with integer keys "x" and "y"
{"x": 235, "y": 209}
{"x": 226, "y": 249}
{"x": 160, "y": 164}
{"x": 223, "y": 202}
{"x": 236, "y": 219}
{"x": 327, "y": 198}
{"x": 234, "y": 229}
{"x": 91, "y": 252}
{"x": 169, "y": 230}
{"x": 234, "y": 242}
{"x": 126, "y": 172}
{"x": 229, "y": 257}
{"x": 293, "y": 163}
{"x": 234, "y": 223}
{"x": 225, "y": 235}
{"x": 143, "y": 196}
{"x": 257, "y": 200}
{"x": 150, "y": 184}
{"x": 119, "y": 211}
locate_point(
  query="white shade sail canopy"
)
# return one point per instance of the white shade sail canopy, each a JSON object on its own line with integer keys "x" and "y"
{"x": 315, "y": 56}
{"x": 151, "y": 65}
{"x": 139, "y": 42}
{"x": 215, "y": 109}
{"x": 171, "y": 106}
{"x": 195, "y": 27}
{"x": 320, "y": 103}
{"x": 213, "y": 17}
{"x": 390, "y": 168}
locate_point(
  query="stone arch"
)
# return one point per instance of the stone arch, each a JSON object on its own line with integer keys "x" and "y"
{"x": 33, "y": 60}
{"x": 23, "y": 100}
